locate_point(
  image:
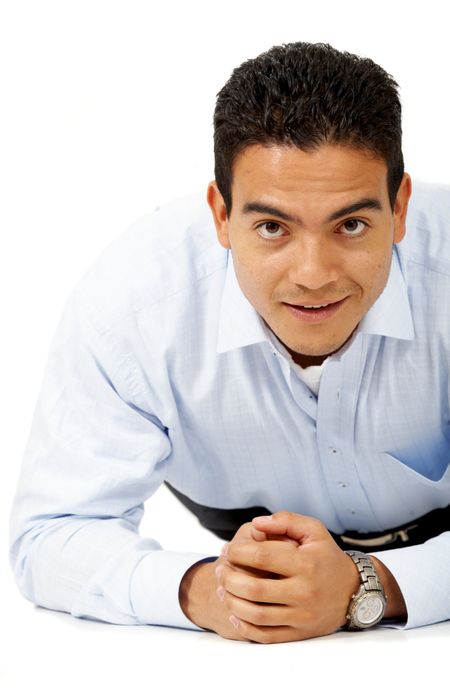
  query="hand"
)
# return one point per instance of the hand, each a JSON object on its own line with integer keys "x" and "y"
{"x": 198, "y": 595}
{"x": 311, "y": 594}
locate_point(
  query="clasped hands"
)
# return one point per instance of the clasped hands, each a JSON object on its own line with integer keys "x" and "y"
{"x": 284, "y": 578}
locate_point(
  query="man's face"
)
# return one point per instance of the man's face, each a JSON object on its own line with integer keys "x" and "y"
{"x": 293, "y": 244}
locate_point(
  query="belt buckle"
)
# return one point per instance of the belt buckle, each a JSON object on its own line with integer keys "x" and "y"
{"x": 381, "y": 540}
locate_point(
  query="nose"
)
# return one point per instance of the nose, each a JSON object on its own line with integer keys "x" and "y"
{"x": 313, "y": 264}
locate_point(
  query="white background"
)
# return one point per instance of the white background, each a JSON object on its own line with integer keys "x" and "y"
{"x": 106, "y": 111}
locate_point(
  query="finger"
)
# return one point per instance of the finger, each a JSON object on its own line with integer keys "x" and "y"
{"x": 258, "y": 614}
{"x": 299, "y": 527}
{"x": 257, "y": 535}
{"x": 246, "y": 536}
{"x": 274, "y": 556}
{"x": 266, "y": 634}
{"x": 254, "y": 588}
{"x": 248, "y": 531}
{"x": 277, "y": 537}
{"x": 244, "y": 570}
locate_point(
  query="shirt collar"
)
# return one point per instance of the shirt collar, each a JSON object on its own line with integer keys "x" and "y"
{"x": 391, "y": 314}
{"x": 240, "y": 324}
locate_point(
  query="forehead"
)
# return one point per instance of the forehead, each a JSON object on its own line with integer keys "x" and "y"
{"x": 285, "y": 173}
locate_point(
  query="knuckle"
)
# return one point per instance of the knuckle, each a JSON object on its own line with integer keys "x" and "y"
{"x": 262, "y": 637}
{"x": 224, "y": 573}
{"x": 256, "y": 591}
{"x": 259, "y": 615}
{"x": 228, "y": 601}
{"x": 310, "y": 615}
{"x": 261, "y": 555}
{"x": 306, "y": 614}
{"x": 245, "y": 630}
{"x": 320, "y": 525}
{"x": 309, "y": 567}
{"x": 245, "y": 529}
{"x": 311, "y": 596}
{"x": 281, "y": 515}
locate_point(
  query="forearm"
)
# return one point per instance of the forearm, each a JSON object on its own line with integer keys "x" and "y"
{"x": 422, "y": 572}
{"x": 101, "y": 569}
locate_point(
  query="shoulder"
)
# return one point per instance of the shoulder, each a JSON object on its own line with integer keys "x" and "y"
{"x": 164, "y": 253}
{"x": 427, "y": 239}
{"x": 424, "y": 256}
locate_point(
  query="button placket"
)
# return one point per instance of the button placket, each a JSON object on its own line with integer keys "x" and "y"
{"x": 300, "y": 392}
{"x": 335, "y": 444}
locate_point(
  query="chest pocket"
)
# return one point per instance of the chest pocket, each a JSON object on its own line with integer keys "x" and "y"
{"x": 411, "y": 489}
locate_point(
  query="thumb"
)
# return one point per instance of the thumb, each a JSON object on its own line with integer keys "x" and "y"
{"x": 257, "y": 535}
{"x": 299, "y": 527}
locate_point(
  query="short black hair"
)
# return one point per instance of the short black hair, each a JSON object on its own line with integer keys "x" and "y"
{"x": 306, "y": 94}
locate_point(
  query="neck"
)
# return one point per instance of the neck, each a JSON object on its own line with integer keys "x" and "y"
{"x": 308, "y": 360}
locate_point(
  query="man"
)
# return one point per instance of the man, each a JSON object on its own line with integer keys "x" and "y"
{"x": 299, "y": 366}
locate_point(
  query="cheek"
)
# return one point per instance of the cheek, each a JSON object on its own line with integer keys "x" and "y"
{"x": 257, "y": 273}
{"x": 375, "y": 272}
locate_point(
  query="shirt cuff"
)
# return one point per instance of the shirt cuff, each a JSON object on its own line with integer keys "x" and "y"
{"x": 422, "y": 573}
{"x": 154, "y": 588}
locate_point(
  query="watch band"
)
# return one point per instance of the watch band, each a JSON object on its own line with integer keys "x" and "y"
{"x": 369, "y": 599}
{"x": 369, "y": 575}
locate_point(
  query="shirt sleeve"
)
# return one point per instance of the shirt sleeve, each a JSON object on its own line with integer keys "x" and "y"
{"x": 91, "y": 460}
{"x": 423, "y": 575}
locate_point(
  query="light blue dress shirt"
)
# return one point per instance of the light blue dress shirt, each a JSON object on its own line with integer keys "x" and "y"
{"x": 161, "y": 370}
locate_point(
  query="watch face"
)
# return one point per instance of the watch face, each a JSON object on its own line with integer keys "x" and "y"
{"x": 369, "y": 609}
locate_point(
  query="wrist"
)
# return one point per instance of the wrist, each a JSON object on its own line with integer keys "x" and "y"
{"x": 395, "y": 605}
{"x": 194, "y": 592}
{"x": 367, "y": 606}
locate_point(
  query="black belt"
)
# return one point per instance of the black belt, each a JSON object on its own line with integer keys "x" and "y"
{"x": 224, "y": 523}
{"x": 414, "y": 532}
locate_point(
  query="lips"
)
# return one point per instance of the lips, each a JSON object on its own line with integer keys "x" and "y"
{"x": 315, "y": 315}
{"x": 314, "y": 303}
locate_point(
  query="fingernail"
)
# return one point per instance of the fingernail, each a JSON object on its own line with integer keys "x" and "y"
{"x": 262, "y": 518}
{"x": 234, "y": 621}
{"x": 224, "y": 550}
{"x": 220, "y": 592}
{"x": 218, "y": 570}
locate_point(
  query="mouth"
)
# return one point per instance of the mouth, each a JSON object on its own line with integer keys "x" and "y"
{"x": 317, "y": 312}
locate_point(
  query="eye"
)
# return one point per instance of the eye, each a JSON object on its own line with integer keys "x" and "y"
{"x": 354, "y": 227}
{"x": 270, "y": 227}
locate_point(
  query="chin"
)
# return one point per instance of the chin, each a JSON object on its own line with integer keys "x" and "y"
{"x": 319, "y": 351}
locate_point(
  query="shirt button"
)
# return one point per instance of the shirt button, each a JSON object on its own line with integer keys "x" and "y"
{"x": 343, "y": 484}
{"x": 334, "y": 450}
{"x": 338, "y": 394}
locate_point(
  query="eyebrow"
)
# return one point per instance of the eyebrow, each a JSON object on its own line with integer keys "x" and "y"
{"x": 362, "y": 204}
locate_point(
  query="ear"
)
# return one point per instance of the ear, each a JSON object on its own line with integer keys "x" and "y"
{"x": 401, "y": 208}
{"x": 219, "y": 212}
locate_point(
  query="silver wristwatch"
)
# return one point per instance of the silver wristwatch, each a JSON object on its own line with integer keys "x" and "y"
{"x": 368, "y": 605}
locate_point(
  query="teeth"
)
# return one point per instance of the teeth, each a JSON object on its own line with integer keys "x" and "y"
{"x": 311, "y": 306}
